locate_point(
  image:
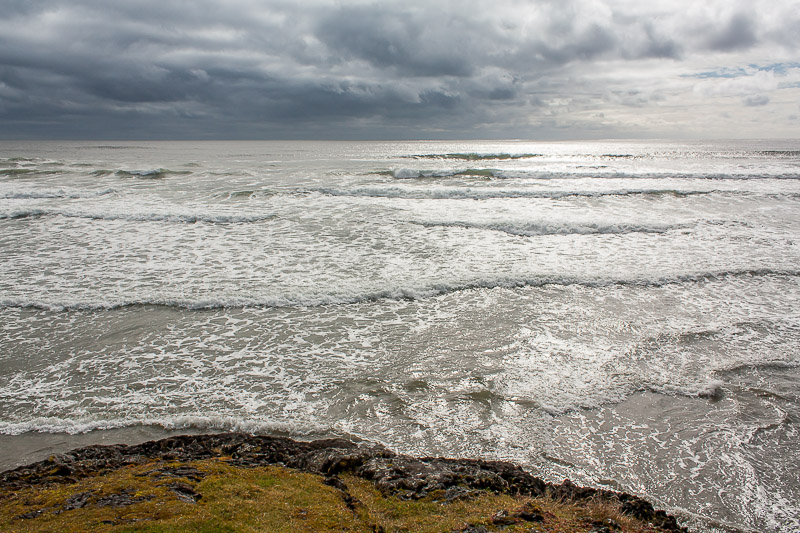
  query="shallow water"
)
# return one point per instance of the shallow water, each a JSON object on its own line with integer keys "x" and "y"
{"x": 623, "y": 314}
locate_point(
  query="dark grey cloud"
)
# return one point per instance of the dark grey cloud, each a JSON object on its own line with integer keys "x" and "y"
{"x": 249, "y": 68}
{"x": 739, "y": 33}
{"x": 412, "y": 43}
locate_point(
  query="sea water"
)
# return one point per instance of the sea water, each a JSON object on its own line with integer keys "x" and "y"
{"x": 624, "y": 314}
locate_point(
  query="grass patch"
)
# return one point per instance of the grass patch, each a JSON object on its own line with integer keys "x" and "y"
{"x": 214, "y": 496}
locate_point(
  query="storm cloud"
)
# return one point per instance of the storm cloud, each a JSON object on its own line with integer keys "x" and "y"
{"x": 435, "y": 69}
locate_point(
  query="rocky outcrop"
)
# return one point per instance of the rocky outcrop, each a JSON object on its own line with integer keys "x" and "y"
{"x": 393, "y": 474}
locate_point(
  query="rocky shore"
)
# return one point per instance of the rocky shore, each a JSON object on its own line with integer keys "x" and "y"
{"x": 178, "y": 465}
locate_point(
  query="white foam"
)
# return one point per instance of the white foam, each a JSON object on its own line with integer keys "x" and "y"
{"x": 587, "y": 171}
{"x": 481, "y": 193}
{"x": 562, "y": 228}
{"x": 412, "y": 292}
{"x": 713, "y": 389}
{"x": 186, "y": 217}
{"x": 220, "y": 422}
{"x": 33, "y": 194}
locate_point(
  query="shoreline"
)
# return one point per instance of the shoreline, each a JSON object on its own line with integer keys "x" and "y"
{"x": 393, "y": 475}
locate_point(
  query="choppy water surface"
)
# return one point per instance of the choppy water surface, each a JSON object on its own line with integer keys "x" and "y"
{"x": 623, "y": 314}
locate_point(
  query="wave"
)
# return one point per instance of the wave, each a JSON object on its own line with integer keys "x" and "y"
{"x": 487, "y": 193}
{"x": 110, "y": 147}
{"x": 410, "y": 173}
{"x": 428, "y": 174}
{"x": 14, "y": 172}
{"x": 138, "y": 217}
{"x": 154, "y": 174}
{"x": 59, "y": 193}
{"x": 399, "y": 293}
{"x": 179, "y": 422}
{"x": 246, "y": 194}
{"x": 475, "y": 156}
{"x": 779, "y": 153}
{"x": 538, "y": 228}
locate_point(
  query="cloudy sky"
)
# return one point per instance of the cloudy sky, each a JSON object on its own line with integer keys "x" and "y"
{"x": 319, "y": 69}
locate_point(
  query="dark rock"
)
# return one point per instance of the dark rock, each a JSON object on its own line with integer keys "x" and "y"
{"x": 393, "y": 474}
{"x": 185, "y": 493}
{"x": 474, "y": 529}
{"x": 120, "y": 499}
{"x": 32, "y": 514}
{"x": 502, "y": 518}
{"x": 61, "y": 470}
{"x": 77, "y": 501}
{"x": 529, "y": 513}
{"x": 455, "y": 494}
{"x": 187, "y": 472}
{"x": 335, "y": 482}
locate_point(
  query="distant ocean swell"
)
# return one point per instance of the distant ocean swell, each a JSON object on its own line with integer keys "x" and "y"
{"x": 534, "y": 229}
{"x": 399, "y": 293}
{"x": 53, "y": 194}
{"x": 390, "y": 192}
{"x": 187, "y": 218}
{"x": 447, "y": 193}
{"x": 472, "y": 156}
{"x": 578, "y": 172}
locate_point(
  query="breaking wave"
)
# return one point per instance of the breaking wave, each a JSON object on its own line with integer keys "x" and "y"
{"x": 538, "y": 228}
{"x": 152, "y": 174}
{"x": 475, "y": 156}
{"x": 486, "y": 193}
{"x": 245, "y": 194}
{"x": 14, "y": 172}
{"x": 71, "y": 426}
{"x": 780, "y": 153}
{"x": 399, "y": 293}
{"x": 188, "y": 218}
{"x": 415, "y": 173}
{"x": 410, "y": 173}
{"x": 58, "y": 193}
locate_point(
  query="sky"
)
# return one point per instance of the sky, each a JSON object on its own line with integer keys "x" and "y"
{"x": 319, "y": 69}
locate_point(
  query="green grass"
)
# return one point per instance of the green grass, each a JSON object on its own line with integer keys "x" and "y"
{"x": 274, "y": 499}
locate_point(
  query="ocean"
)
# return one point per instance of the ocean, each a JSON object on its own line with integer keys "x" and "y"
{"x": 623, "y": 314}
